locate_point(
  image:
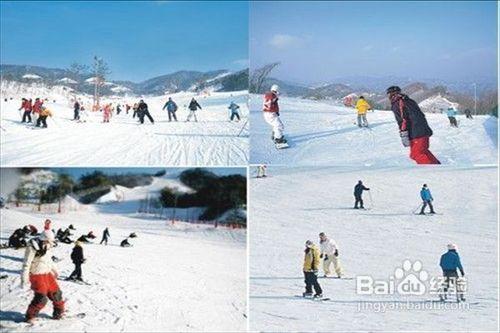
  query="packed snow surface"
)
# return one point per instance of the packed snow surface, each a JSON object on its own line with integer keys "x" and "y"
{"x": 326, "y": 134}
{"x": 213, "y": 140}
{"x": 372, "y": 242}
{"x": 176, "y": 277}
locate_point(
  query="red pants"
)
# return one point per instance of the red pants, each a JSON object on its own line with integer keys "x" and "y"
{"x": 419, "y": 151}
{"x": 45, "y": 287}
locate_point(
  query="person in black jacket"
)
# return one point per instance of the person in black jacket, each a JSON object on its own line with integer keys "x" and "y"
{"x": 142, "y": 111}
{"x": 76, "y": 110}
{"x": 105, "y": 236}
{"x": 193, "y": 106}
{"x": 78, "y": 260}
{"x": 413, "y": 127}
{"x": 358, "y": 194}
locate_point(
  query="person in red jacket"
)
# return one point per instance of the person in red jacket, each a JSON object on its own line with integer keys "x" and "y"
{"x": 413, "y": 127}
{"x": 27, "y": 107}
{"x": 271, "y": 114}
{"x": 37, "y": 108}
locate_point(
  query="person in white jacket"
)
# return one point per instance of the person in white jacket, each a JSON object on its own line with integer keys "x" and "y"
{"x": 40, "y": 270}
{"x": 330, "y": 255}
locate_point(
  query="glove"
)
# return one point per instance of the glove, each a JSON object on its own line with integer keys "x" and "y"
{"x": 336, "y": 253}
{"x": 405, "y": 138}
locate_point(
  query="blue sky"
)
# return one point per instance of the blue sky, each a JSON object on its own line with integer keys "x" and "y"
{"x": 319, "y": 41}
{"x": 139, "y": 40}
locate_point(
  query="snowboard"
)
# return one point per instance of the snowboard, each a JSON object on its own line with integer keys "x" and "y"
{"x": 283, "y": 145}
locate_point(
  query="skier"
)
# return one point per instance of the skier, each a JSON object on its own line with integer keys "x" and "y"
{"x": 362, "y": 106}
{"x": 118, "y": 109}
{"x": 27, "y": 107}
{"x": 358, "y": 194}
{"x": 134, "y": 108}
{"x": 468, "y": 114}
{"x": 329, "y": 254}
{"x": 78, "y": 260}
{"x": 37, "y": 109}
{"x": 261, "y": 171}
{"x": 193, "y": 106}
{"x": 234, "y": 111}
{"x": 271, "y": 114}
{"x": 76, "y": 110}
{"x": 105, "y": 236}
{"x": 18, "y": 238}
{"x": 125, "y": 243}
{"x": 427, "y": 199}
{"x": 127, "y": 108}
{"x": 107, "y": 111}
{"x": 142, "y": 111}
{"x": 451, "y": 114}
{"x": 42, "y": 118}
{"x": 41, "y": 271}
{"x": 171, "y": 107}
{"x": 450, "y": 262}
{"x": 413, "y": 128}
{"x": 310, "y": 269}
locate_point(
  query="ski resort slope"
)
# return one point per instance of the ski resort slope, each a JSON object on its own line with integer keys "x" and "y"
{"x": 212, "y": 141}
{"x": 326, "y": 134}
{"x": 176, "y": 277}
{"x": 372, "y": 242}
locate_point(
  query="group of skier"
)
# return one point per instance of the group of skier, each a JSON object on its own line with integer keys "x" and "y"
{"x": 34, "y": 112}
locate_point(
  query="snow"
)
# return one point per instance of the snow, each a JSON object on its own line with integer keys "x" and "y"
{"x": 120, "y": 89}
{"x": 437, "y": 104}
{"x": 32, "y": 77}
{"x": 176, "y": 277}
{"x": 325, "y": 134}
{"x": 67, "y": 80}
{"x": 211, "y": 141}
{"x": 372, "y": 242}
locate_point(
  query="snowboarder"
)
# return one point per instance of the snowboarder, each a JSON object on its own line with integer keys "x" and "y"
{"x": 427, "y": 199}
{"x": 310, "y": 268}
{"x": 362, "y": 106}
{"x": 451, "y": 114}
{"x": 171, "y": 107}
{"x": 234, "y": 111}
{"x": 78, "y": 259}
{"x": 358, "y": 194}
{"x": 450, "y": 262}
{"x": 125, "y": 243}
{"x": 261, "y": 171}
{"x": 41, "y": 271}
{"x": 193, "y": 106}
{"x": 27, "y": 107}
{"x": 413, "y": 127}
{"x": 42, "y": 119}
{"x": 272, "y": 115}
{"x": 329, "y": 254}
{"x": 142, "y": 111}
{"x": 468, "y": 114}
{"x": 105, "y": 236}
{"x": 76, "y": 110}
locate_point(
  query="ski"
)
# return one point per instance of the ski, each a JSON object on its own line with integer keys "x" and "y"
{"x": 314, "y": 299}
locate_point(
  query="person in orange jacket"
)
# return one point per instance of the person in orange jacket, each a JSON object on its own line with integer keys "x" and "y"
{"x": 42, "y": 118}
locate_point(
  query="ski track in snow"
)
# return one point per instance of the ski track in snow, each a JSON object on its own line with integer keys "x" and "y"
{"x": 325, "y": 134}
{"x": 180, "y": 277}
{"x": 211, "y": 141}
{"x": 372, "y": 242}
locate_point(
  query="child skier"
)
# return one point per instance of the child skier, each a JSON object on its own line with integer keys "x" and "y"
{"x": 358, "y": 194}
{"x": 413, "y": 127}
{"x": 261, "y": 171}
{"x": 362, "y": 106}
{"x": 105, "y": 236}
{"x": 451, "y": 113}
{"x": 234, "y": 111}
{"x": 171, "y": 107}
{"x": 271, "y": 114}
{"x": 425, "y": 194}
{"x": 37, "y": 109}
{"x": 310, "y": 269}
{"x": 42, "y": 118}
{"x": 40, "y": 270}
{"x": 329, "y": 254}
{"x": 78, "y": 260}
{"x": 27, "y": 107}
{"x": 450, "y": 262}
{"x": 193, "y": 106}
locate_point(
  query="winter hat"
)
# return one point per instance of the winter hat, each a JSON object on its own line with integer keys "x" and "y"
{"x": 452, "y": 246}
{"x": 309, "y": 243}
{"x": 393, "y": 89}
{"x": 275, "y": 88}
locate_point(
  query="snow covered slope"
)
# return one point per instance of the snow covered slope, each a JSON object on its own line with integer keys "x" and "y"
{"x": 372, "y": 242}
{"x": 325, "y": 134}
{"x": 211, "y": 141}
{"x": 179, "y": 277}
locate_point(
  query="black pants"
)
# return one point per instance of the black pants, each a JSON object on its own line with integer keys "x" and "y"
{"x": 311, "y": 280}
{"x": 359, "y": 201}
{"x": 235, "y": 114}
{"x": 76, "y": 115}
{"x": 41, "y": 120}
{"x": 450, "y": 277}
{"x": 145, "y": 114}
{"x": 135, "y": 114}
{"x": 469, "y": 116}
{"x": 104, "y": 240}
{"x": 77, "y": 273}
{"x": 26, "y": 115}
{"x": 429, "y": 203}
{"x": 171, "y": 114}
{"x": 453, "y": 121}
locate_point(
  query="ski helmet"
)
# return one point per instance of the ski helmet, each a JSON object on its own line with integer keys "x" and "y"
{"x": 275, "y": 88}
{"x": 393, "y": 89}
{"x": 309, "y": 243}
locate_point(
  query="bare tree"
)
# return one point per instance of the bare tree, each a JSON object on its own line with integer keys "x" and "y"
{"x": 101, "y": 70}
{"x": 77, "y": 70}
{"x": 259, "y": 76}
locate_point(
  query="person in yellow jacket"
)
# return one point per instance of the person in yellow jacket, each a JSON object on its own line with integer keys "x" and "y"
{"x": 311, "y": 266}
{"x": 362, "y": 106}
{"x": 42, "y": 119}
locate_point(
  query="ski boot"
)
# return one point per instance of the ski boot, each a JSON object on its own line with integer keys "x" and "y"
{"x": 433, "y": 212}
{"x": 307, "y": 295}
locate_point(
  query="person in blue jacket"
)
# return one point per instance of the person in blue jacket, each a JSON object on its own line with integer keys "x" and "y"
{"x": 427, "y": 199}
{"x": 171, "y": 109}
{"x": 358, "y": 194}
{"x": 451, "y": 113}
{"x": 450, "y": 262}
{"x": 234, "y": 111}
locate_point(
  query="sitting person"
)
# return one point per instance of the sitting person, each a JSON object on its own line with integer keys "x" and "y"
{"x": 125, "y": 243}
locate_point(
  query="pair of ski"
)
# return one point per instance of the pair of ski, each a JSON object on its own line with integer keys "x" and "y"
{"x": 313, "y": 298}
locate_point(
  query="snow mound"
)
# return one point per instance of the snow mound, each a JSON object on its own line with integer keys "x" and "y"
{"x": 32, "y": 77}
{"x": 436, "y": 104}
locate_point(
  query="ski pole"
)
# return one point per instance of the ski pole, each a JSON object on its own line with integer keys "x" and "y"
{"x": 371, "y": 200}
{"x": 243, "y": 127}
{"x": 415, "y": 210}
